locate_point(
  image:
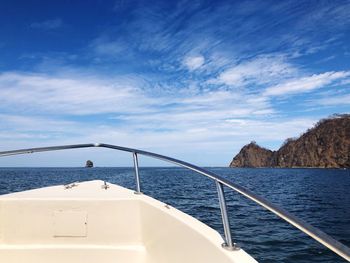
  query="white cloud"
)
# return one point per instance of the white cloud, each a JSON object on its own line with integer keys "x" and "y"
{"x": 187, "y": 121}
{"x": 306, "y": 84}
{"x": 39, "y": 108}
{"x": 107, "y": 47}
{"x": 194, "y": 62}
{"x": 70, "y": 95}
{"x": 345, "y": 82}
{"x": 86, "y": 95}
{"x": 29, "y": 123}
{"x": 261, "y": 70}
{"x": 212, "y": 143}
{"x": 48, "y": 24}
{"x": 334, "y": 100}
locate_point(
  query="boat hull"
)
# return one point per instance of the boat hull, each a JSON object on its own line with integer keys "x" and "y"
{"x": 88, "y": 222}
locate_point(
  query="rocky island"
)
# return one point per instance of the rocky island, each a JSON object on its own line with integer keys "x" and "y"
{"x": 327, "y": 145}
{"x": 89, "y": 164}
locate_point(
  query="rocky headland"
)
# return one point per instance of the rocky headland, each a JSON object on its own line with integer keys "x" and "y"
{"x": 327, "y": 145}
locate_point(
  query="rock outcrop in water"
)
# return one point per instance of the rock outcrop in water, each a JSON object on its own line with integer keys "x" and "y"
{"x": 327, "y": 145}
{"x": 89, "y": 164}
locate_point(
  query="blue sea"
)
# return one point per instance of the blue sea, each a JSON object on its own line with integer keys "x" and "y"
{"x": 318, "y": 196}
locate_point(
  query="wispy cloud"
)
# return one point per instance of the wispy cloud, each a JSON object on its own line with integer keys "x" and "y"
{"x": 193, "y": 62}
{"x": 71, "y": 95}
{"x": 34, "y": 123}
{"x": 106, "y": 47}
{"x": 257, "y": 71}
{"x": 48, "y": 24}
{"x": 306, "y": 84}
{"x": 86, "y": 95}
{"x": 222, "y": 138}
{"x": 338, "y": 100}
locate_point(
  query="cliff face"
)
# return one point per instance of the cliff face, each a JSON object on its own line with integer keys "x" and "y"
{"x": 327, "y": 145}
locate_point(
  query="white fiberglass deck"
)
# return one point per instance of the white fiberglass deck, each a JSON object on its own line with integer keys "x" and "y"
{"x": 87, "y": 223}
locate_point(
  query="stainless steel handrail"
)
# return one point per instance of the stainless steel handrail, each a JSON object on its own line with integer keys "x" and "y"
{"x": 313, "y": 232}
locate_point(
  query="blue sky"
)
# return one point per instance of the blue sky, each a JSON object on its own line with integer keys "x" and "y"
{"x": 194, "y": 80}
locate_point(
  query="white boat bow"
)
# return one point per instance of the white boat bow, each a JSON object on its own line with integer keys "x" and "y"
{"x": 97, "y": 222}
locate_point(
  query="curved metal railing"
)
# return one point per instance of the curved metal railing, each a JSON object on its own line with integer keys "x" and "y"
{"x": 313, "y": 232}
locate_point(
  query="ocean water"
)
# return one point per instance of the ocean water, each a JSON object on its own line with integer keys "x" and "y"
{"x": 318, "y": 196}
